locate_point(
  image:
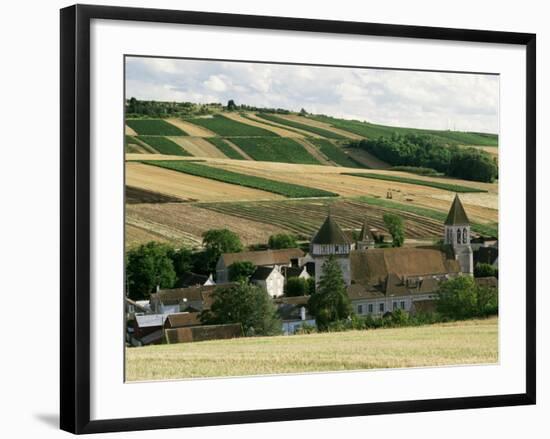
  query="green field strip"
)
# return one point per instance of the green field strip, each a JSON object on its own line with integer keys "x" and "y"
{"x": 164, "y": 145}
{"x": 224, "y": 147}
{"x": 277, "y": 187}
{"x": 334, "y": 153}
{"x": 415, "y": 181}
{"x": 275, "y": 125}
{"x": 302, "y": 126}
{"x": 275, "y": 149}
{"x": 226, "y": 127}
{"x": 370, "y": 130}
{"x": 154, "y": 127}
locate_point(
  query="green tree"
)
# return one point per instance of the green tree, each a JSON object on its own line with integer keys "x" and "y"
{"x": 394, "y": 224}
{"x": 231, "y": 106}
{"x": 330, "y": 302}
{"x": 218, "y": 241}
{"x": 458, "y": 298}
{"x": 182, "y": 259}
{"x": 487, "y": 301}
{"x": 296, "y": 286}
{"x": 246, "y": 304}
{"x": 282, "y": 240}
{"x": 241, "y": 271}
{"x": 147, "y": 266}
{"x": 482, "y": 269}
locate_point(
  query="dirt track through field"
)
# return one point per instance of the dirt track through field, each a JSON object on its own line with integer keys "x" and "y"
{"x": 316, "y": 123}
{"x": 238, "y": 149}
{"x": 279, "y": 131}
{"x": 178, "y": 184}
{"x": 315, "y": 152}
{"x": 297, "y": 130}
{"x": 129, "y": 131}
{"x": 191, "y": 129}
{"x": 198, "y": 147}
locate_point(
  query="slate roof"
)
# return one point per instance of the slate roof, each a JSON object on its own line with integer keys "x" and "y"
{"x": 487, "y": 255}
{"x": 262, "y": 273}
{"x": 176, "y": 295}
{"x": 330, "y": 233}
{"x": 193, "y": 279}
{"x": 366, "y": 234}
{"x": 263, "y": 257}
{"x": 457, "y": 215}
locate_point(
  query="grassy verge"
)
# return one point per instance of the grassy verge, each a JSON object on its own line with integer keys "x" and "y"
{"x": 164, "y": 145}
{"x": 483, "y": 229}
{"x": 221, "y": 144}
{"x": 302, "y": 126}
{"x": 467, "y": 342}
{"x": 434, "y": 184}
{"x": 277, "y": 187}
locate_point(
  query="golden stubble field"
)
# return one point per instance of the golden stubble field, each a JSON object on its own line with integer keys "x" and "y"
{"x": 458, "y": 343}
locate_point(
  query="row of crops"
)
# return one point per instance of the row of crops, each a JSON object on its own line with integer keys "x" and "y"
{"x": 286, "y": 189}
{"x": 302, "y": 126}
{"x": 275, "y": 149}
{"x": 230, "y": 128}
{"x": 418, "y": 182}
{"x": 335, "y": 153}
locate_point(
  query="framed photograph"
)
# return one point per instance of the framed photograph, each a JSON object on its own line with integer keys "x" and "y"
{"x": 292, "y": 219}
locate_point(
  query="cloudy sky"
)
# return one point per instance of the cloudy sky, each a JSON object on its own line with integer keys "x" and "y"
{"x": 465, "y": 102}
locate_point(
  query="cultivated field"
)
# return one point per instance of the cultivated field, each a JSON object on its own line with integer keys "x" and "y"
{"x": 164, "y": 145}
{"x": 154, "y": 127}
{"x": 329, "y": 134}
{"x": 275, "y": 149}
{"x": 468, "y": 342}
{"x": 198, "y": 147}
{"x": 226, "y": 127}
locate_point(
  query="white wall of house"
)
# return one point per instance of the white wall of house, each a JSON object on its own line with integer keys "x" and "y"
{"x": 274, "y": 284}
{"x": 379, "y": 306}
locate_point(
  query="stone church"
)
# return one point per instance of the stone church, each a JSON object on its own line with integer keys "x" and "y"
{"x": 385, "y": 279}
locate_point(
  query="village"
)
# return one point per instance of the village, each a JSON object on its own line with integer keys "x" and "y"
{"x": 379, "y": 280}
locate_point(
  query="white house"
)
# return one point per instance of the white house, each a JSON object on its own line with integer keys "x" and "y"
{"x": 271, "y": 279}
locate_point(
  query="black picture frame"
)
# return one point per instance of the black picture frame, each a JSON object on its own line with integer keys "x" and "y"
{"x": 75, "y": 217}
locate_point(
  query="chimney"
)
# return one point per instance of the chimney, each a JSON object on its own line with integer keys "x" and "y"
{"x": 303, "y": 313}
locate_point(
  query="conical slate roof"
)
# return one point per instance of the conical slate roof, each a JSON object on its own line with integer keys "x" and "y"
{"x": 366, "y": 234}
{"x": 457, "y": 215}
{"x": 330, "y": 233}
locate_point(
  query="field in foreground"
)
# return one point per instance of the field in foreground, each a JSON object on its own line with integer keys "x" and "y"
{"x": 469, "y": 342}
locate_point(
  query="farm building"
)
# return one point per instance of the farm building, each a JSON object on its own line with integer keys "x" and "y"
{"x": 177, "y": 300}
{"x": 266, "y": 258}
{"x": 293, "y": 313}
{"x": 386, "y": 279}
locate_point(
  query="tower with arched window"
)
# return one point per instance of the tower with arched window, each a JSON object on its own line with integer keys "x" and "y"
{"x": 457, "y": 235}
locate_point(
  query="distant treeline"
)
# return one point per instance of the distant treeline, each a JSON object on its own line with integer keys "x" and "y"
{"x": 428, "y": 152}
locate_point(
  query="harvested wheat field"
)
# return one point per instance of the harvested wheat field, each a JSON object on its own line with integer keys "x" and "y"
{"x": 480, "y": 208}
{"x": 180, "y": 185}
{"x": 280, "y": 125}
{"x": 129, "y": 131}
{"x": 465, "y": 342}
{"x": 185, "y": 223}
{"x": 198, "y": 147}
{"x": 277, "y": 130}
{"x": 318, "y": 124}
{"x": 191, "y": 129}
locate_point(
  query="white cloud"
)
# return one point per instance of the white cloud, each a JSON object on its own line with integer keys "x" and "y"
{"x": 403, "y": 98}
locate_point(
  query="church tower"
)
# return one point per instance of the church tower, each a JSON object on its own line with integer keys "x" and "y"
{"x": 366, "y": 238}
{"x": 330, "y": 240}
{"x": 457, "y": 235}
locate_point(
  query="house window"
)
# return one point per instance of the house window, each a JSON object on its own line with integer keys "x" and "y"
{"x": 402, "y": 304}
{"x": 381, "y": 307}
{"x": 359, "y": 309}
{"x": 394, "y": 306}
{"x": 370, "y": 307}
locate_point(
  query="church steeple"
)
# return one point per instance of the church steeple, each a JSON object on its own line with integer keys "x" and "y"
{"x": 366, "y": 238}
{"x": 457, "y": 235}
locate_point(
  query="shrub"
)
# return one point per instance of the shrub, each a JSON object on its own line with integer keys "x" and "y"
{"x": 281, "y": 241}
{"x": 482, "y": 269}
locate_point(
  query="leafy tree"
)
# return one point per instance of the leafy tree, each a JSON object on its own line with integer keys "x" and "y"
{"x": 241, "y": 271}
{"x": 246, "y": 304}
{"x": 231, "y": 106}
{"x": 472, "y": 164}
{"x": 147, "y": 266}
{"x": 182, "y": 259}
{"x": 296, "y": 286}
{"x": 394, "y": 224}
{"x": 330, "y": 302}
{"x": 303, "y": 112}
{"x": 482, "y": 269}
{"x": 282, "y": 240}
{"x": 218, "y": 241}
{"x": 461, "y": 298}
